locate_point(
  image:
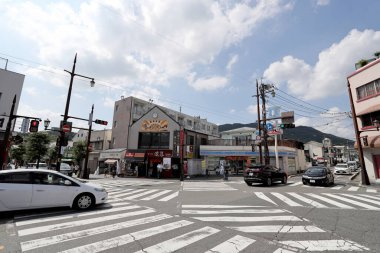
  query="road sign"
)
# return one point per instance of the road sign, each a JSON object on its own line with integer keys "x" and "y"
{"x": 275, "y": 132}
{"x": 66, "y": 126}
{"x": 287, "y": 117}
{"x": 269, "y": 126}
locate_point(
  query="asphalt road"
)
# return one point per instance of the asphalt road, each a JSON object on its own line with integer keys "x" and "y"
{"x": 205, "y": 215}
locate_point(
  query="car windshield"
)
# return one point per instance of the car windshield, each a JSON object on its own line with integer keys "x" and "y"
{"x": 341, "y": 166}
{"x": 315, "y": 172}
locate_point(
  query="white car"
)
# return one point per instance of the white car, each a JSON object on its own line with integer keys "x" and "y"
{"x": 40, "y": 188}
{"x": 342, "y": 168}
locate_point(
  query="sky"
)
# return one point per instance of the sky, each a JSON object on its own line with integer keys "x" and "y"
{"x": 202, "y": 57}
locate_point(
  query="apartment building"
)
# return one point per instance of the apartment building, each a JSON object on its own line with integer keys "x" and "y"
{"x": 364, "y": 85}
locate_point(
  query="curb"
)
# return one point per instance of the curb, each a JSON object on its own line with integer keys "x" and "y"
{"x": 355, "y": 175}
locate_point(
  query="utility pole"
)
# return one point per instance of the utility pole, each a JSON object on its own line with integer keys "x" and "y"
{"x": 258, "y": 120}
{"x": 85, "y": 169}
{"x": 4, "y": 147}
{"x": 265, "y": 130}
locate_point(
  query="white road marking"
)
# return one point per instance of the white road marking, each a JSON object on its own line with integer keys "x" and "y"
{"x": 128, "y": 238}
{"x": 337, "y": 187}
{"x": 43, "y": 242}
{"x": 156, "y": 195}
{"x": 371, "y": 190}
{"x": 353, "y": 202}
{"x": 278, "y": 229}
{"x": 76, "y": 215}
{"x": 306, "y": 200}
{"x": 181, "y": 241}
{"x": 169, "y": 197}
{"x": 371, "y": 197}
{"x": 326, "y": 245}
{"x": 285, "y": 199}
{"x": 330, "y": 201}
{"x": 70, "y": 224}
{"x": 280, "y": 250}
{"x": 242, "y": 211}
{"x": 248, "y": 219}
{"x": 295, "y": 184}
{"x": 217, "y": 206}
{"x": 141, "y": 194}
{"x": 264, "y": 197}
{"x": 232, "y": 245}
{"x": 121, "y": 195}
{"x": 353, "y": 189}
{"x": 363, "y": 199}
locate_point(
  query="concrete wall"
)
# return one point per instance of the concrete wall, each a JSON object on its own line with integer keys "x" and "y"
{"x": 120, "y": 122}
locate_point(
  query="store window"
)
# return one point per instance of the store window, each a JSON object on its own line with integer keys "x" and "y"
{"x": 154, "y": 140}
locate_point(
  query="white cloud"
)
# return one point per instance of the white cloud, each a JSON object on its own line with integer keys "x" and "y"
{"x": 328, "y": 76}
{"x": 208, "y": 84}
{"x": 145, "y": 42}
{"x": 252, "y": 109}
{"x": 31, "y": 91}
{"x": 323, "y": 2}
{"x": 232, "y": 111}
{"x": 234, "y": 59}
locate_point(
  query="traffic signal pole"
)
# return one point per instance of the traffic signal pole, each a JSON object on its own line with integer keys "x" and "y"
{"x": 258, "y": 120}
{"x": 85, "y": 174}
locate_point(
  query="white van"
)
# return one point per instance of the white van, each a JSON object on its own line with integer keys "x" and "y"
{"x": 353, "y": 165}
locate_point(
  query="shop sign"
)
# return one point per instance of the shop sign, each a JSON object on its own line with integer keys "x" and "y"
{"x": 154, "y": 125}
{"x": 158, "y": 153}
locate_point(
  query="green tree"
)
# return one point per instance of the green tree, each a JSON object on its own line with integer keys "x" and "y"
{"x": 17, "y": 153}
{"x": 79, "y": 151}
{"x": 37, "y": 146}
{"x": 52, "y": 154}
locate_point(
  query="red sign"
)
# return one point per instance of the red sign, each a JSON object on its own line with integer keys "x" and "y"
{"x": 158, "y": 153}
{"x": 66, "y": 126}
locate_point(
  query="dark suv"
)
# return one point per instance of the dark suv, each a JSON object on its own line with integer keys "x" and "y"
{"x": 266, "y": 174}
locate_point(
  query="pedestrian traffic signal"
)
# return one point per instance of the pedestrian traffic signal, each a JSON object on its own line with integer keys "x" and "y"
{"x": 101, "y": 122}
{"x": 287, "y": 126}
{"x": 34, "y": 126}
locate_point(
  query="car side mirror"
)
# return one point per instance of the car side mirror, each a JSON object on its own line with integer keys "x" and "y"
{"x": 67, "y": 182}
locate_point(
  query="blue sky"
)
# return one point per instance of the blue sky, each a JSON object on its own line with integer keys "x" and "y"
{"x": 201, "y": 55}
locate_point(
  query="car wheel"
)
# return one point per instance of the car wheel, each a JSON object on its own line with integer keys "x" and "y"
{"x": 84, "y": 201}
{"x": 248, "y": 183}
{"x": 284, "y": 180}
{"x": 269, "y": 181}
{"x": 304, "y": 182}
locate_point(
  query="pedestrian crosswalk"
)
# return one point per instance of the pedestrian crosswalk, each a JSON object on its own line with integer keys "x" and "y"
{"x": 141, "y": 194}
{"x": 322, "y": 200}
{"x": 336, "y": 187}
{"x": 126, "y": 227}
{"x": 123, "y": 182}
{"x": 275, "y": 224}
{"x": 206, "y": 186}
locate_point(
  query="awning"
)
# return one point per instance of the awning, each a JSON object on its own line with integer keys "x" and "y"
{"x": 370, "y": 109}
{"x": 110, "y": 161}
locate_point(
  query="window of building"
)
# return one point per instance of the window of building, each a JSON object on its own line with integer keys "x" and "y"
{"x": 113, "y": 141}
{"x": 190, "y": 140}
{"x": 368, "y": 89}
{"x": 115, "y": 124}
{"x": 367, "y": 119}
{"x": 189, "y": 122}
{"x": 203, "y": 141}
{"x": 203, "y": 127}
{"x": 208, "y": 128}
{"x": 116, "y": 108}
{"x": 154, "y": 140}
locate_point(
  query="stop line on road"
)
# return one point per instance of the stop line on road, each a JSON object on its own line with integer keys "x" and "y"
{"x": 323, "y": 200}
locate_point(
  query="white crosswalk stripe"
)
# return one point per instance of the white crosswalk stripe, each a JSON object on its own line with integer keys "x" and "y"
{"x": 123, "y": 182}
{"x": 336, "y": 187}
{"x": 48, "y": 238}
{"x": 206, "y": 186}
{"x": 325, "y": 200}
{"x": 143, "y": 194}
{"x": 250, "y": 219}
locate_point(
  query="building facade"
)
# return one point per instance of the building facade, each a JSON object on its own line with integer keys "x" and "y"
{"x": 10, "y": 86}
{"x": 364, "y": 85}
{"x": 152, "y": 135}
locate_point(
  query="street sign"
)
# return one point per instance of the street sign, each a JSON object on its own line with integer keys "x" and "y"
{"x": 287, "y": 117}
{"x": 66, "y": 126}
{"x": 275, "y": 132}
{"x": 269, "y": 126}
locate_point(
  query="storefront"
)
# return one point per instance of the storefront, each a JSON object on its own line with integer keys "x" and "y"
{"x": 112, "y": 157}
{"x": 135, "y": 163}
{"x": 155, "y": 157}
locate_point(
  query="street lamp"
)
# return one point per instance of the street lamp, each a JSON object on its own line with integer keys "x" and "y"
{"x": 46, "y": 123}
{"x": 66, "y": 115}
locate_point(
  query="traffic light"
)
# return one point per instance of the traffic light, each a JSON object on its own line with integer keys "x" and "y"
{"x": 101, "y": 122}
{"x": 287, "y": 126}
{"x": 34, "y": 126}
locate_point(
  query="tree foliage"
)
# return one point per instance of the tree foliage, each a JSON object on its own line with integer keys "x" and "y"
{"x": 17, "y": 153}
{"x": 79, "y": 151}
{"x": 37, "y": 146}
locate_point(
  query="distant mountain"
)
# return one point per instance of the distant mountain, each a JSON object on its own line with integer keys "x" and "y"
{"x": 301, "y": 133}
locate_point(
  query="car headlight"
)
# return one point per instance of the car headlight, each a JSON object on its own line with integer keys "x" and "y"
{"x": 100, "y": 189}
